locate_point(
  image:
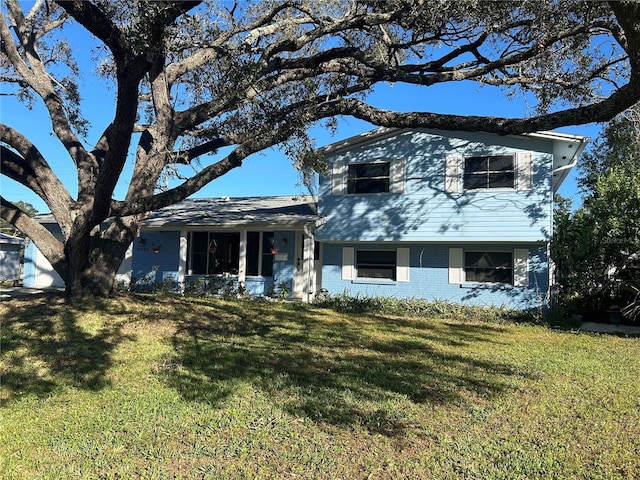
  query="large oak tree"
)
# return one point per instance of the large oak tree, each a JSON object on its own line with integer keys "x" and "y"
{"x": 192, "y": 77}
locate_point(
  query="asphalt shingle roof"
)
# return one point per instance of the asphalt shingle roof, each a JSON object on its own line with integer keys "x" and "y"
{"x": 226, "y": 211}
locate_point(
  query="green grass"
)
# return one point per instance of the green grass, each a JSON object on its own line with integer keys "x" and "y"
{"x": 144, "y": 387}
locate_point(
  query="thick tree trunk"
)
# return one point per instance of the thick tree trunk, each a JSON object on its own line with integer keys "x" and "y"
{"x": 94, "y": 260}
{"x": 95, "y": 280}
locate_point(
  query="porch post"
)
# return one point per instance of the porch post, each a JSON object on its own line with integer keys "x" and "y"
{"x": 308, "y": 268}
{"x": 242, "y": 261}
{"x": 182, "y": 263}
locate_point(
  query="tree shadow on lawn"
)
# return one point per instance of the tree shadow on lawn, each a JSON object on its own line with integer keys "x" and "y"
{"x": 332, "y": 368}
{"x": 44, "y": 348}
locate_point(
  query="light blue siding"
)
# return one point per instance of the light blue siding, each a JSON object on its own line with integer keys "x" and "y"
{"x": 42, "y": 274}
{"x": 29, "y": 266}
{"x": 283, "y": 270}
{"x": 425, "y": 211}
{"x": 259, "y": 285}
{"x": 429, "y": 276}
{"x": 149, "y": 267}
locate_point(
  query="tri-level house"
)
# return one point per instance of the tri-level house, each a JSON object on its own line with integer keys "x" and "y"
{"x": 453, "y": 216}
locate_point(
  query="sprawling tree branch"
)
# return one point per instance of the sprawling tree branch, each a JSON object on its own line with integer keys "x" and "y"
{"x": 99, "y": 24}
{"x": 48, "y": 244}
{"x": 31, "y": 68}
{"x": 624, "y": 98}
{"x": 26, "y": 165}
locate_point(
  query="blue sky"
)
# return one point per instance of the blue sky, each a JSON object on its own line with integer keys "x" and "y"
{"x": 270, "y": 172}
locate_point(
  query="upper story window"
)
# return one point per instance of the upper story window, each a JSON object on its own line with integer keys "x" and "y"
{"x": 369, "y": 178}
{"x": 489, "y": 171}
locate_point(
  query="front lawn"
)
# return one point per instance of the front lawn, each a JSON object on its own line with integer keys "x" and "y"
{"x": 145, "y": 387}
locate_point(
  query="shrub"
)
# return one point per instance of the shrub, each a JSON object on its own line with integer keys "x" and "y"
{"x": 417, "y": 307}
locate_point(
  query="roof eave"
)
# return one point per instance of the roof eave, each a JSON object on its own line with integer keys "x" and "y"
{"x": 295, "y": 224}
{"x": 362, "y": 138}
{"x": 11, "y": 240}
{"x": 561, "y": 169}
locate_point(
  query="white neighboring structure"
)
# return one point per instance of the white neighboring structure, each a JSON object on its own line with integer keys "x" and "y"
{"x": 10, "y": 249}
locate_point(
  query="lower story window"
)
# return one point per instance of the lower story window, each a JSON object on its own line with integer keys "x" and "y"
{"x": 259, "y": 253}
{"x": 376, "y": 264}
{"x": 488, "y": 267}
{"x": 217, "y": 253}
{"x": 214, "y": 253}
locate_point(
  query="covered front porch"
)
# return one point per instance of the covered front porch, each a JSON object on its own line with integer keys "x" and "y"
{"x": 258, "y": 246}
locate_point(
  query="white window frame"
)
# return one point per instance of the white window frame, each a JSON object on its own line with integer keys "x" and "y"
{"x": 261, "y": 252}
{"x": 402, "y": 264}
{"x": 340, "y": 176}
{"x": 481, "y": 282}
{"x": 378, "y": 163}
{"x": 520, "y": 272}
{"x": 393, "y": 267}
{"x": 210, "y": 233}
{"x": 488, "y": 172}
{"x": 186, "y": 245}
{"x": 454, "y": 174}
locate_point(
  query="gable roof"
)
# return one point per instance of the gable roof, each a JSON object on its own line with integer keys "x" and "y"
{"x": 566, "y": 147}
{"x": 292, "y": 211}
